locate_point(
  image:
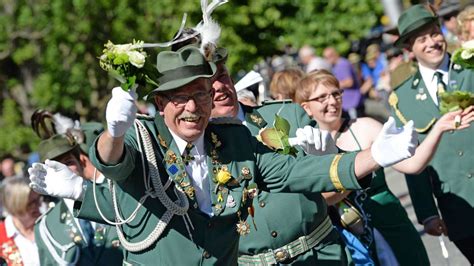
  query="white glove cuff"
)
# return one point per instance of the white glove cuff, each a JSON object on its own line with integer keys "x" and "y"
{"x": 79, "y": 190}
{"x": 378, "y": 156}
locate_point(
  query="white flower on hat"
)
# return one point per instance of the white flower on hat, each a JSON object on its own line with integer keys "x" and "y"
{"x": 136, "y": 58}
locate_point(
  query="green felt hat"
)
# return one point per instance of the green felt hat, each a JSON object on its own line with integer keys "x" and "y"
{"x": 179, "y": 68}
{"x": 412, "y": 20}
{"x": 56, "y": 146}
{"x": 90, "y": 130}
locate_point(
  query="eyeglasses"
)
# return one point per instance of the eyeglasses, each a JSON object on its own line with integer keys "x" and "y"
{"x": 337, "y": 95}
{"x": 181, "y": 100}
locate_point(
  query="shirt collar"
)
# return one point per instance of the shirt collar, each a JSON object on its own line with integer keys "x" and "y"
{"x": 181, "y": 143}
{"x": 428, "y": 73}
{"x": 240, "y": 113}
{"x": 10, "y": 227}
{"x": 69, "y": 204}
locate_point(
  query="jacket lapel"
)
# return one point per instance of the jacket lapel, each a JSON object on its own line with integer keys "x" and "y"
{"x": 173, "y": 161}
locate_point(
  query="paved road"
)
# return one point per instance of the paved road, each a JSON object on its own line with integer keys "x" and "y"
{"x": 397, "y": 184}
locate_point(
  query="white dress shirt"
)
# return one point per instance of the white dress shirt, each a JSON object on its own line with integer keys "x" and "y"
{"x": 197, "y": 171}
{"x": 28, "y": 250}
{"x": 431, "y": 81}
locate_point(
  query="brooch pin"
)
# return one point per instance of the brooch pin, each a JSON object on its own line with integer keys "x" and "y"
{"x": 457, "y": 67}
{"x": 252, "y": 191}
{"x": 230, "y": 202}
{"x": 170, "y": 157}
{"x": 246, "y": 173}
{"x": 257, "y": 120}
{"x": 217, "y": 143}
{"x": 243, "y": 228}
{"x": 415, "y": 82}
{"x": 421, "y": 95}
{"x": 453, "y": 84}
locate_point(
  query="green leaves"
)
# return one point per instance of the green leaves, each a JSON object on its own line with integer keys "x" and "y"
{"x": 452, "y": 101}
{"x": 276, "y": 137}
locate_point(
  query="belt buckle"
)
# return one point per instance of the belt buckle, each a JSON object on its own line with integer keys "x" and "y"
{"x": 281, "y": 254}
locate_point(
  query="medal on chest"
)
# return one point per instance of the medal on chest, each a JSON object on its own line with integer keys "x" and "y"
{"x": 224, "y": 181}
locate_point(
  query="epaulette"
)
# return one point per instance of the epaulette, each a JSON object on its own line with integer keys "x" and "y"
{"x": 401, "y": 74}
{"x": 51, "y": 206}
{"x": 225, "y": 121}
{"x": 277, "y": 101}
{"x": 145, "y": 117}
{"x": 393, "y": 101}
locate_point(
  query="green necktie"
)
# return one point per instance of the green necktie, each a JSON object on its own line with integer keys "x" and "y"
{"x": 441, "y": 86}
{"x": 187, "y": 153}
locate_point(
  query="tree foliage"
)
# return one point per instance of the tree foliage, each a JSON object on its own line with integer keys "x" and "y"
{"x": 49, "y": 48}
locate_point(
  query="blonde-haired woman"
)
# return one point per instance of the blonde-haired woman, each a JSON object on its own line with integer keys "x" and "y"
{"x": 465, "y": 21}
{"x": 319, "y": 94}
{"x": 284, "y": 83}
{"x": 17, "y": 236}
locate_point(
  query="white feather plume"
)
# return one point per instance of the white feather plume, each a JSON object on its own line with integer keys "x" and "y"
{"x": 209, "y": 29}
{"x": 63, "y": 123}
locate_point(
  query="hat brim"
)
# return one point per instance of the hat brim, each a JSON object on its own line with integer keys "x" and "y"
{"x": 410, "y": 31}
{"x": 53, "y": 154}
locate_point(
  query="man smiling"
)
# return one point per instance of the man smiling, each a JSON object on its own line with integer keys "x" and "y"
{"x": 449, "y": 176}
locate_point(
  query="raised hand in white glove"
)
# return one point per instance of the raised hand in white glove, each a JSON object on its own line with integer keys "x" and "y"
{"x": 393, "y": 144}
{"x": 55, "y": 179}
{"x": 314, "y": 141}
{"x": 121, "y": 111}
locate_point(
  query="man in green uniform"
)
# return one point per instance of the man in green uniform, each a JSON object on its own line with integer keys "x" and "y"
{"x": 449, "y": 176}
{"x": 190, "y": 190}
{"x": 61, "y": 238}
{"x": 302, "y": 232}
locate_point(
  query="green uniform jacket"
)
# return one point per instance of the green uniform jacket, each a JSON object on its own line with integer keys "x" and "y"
{"x": 214, "y": 239}
{"x": 282, "y": 218}
{"x": 59, "y": 223}
{"x": 450, "y": 174}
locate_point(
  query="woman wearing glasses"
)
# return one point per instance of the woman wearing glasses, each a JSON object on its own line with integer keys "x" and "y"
{"x": 376, "y": 207}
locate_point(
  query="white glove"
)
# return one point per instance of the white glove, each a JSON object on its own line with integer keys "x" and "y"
{"x": 393, "y": 144}
{"x": 314, "y": 141}
{"x": 121, "y": 111}
{"x": 55, "y": 179}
